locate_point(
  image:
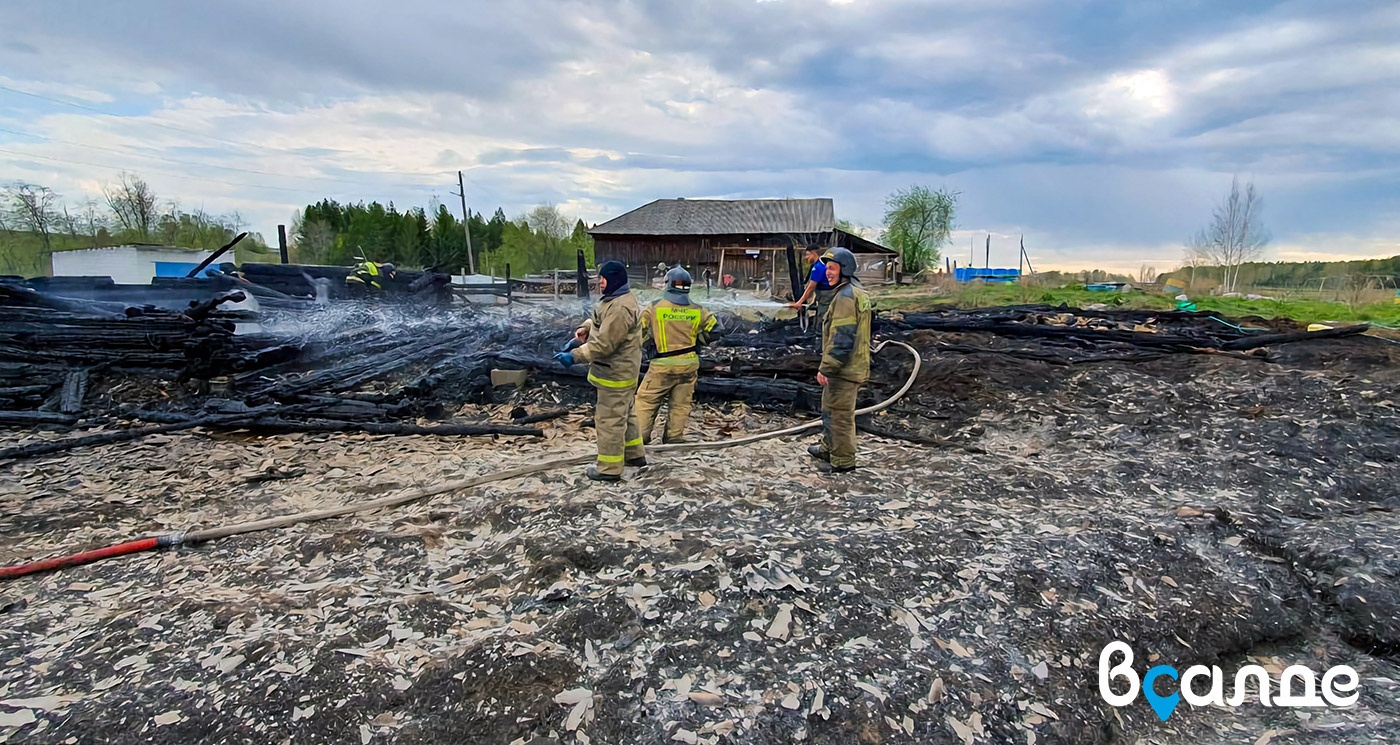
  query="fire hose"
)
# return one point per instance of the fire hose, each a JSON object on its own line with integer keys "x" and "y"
{"x": 180, "y": 538}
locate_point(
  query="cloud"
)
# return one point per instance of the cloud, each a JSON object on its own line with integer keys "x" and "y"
{"x": 1099, "y": 132}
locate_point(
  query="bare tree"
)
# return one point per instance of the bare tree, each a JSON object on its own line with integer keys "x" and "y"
{"x": 133, "y": 204}
{"x": 1191, "y": 260}
{"x": 1357, "y": 289}
{"x": 1147, "y": 274}
{"x": 548, "y": 221}
{"x": 34, "y": 209}
{"x": 7, "y": 244}
{"x": 1235, "y": 234}
{"x": 69, "y": 222}
{"x": 93, "y": 221}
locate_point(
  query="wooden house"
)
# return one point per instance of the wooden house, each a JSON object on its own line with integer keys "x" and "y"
{"x": 744, "y": 238}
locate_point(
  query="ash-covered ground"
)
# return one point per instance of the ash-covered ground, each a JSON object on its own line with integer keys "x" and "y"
{"x": 1208, "y": 509}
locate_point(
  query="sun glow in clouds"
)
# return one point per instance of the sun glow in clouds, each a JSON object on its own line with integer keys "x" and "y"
{"x": 1145, "y": 94}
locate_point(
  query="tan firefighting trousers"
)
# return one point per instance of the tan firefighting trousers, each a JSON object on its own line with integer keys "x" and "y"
{"x": 615, "y": 424}
{"x": 673, "y": 387}
{"x": 839, "y": 420}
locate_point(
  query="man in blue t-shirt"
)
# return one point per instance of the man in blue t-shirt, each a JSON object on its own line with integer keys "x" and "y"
{"x": 816, "y": 281}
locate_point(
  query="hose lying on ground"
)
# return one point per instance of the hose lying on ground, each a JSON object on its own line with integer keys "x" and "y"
{"x": 209, "y": 534}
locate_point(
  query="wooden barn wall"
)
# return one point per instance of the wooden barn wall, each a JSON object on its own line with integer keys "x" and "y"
{"x": 641, "y": 254}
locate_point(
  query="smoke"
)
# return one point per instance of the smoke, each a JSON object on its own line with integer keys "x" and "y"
{"x": 348, "y": 319}
{"x": 344, "y": 321}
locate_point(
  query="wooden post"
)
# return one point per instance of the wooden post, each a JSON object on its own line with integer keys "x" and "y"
{"x": 772, "y": 273}
{"x": 508, "y": 297}
{"x": 282, "y": 242}
{"x": 794, "y": 272}
{"x": 582, "y": 289}
{"x": 556, "y": 284}
{"x": 466, "y": 222}
{"x": 720, "y": 278}
{"x": 987, "y": 263}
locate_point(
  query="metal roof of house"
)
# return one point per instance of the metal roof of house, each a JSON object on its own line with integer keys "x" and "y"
{"x": 723, "y": 217}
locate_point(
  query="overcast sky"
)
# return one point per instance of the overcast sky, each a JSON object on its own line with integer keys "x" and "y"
{"x": 1102, "y": 131}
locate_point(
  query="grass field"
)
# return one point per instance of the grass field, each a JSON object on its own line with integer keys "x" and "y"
{"x": 973, "y": 296}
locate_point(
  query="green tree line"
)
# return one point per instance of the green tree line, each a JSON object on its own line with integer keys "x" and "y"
{"x": 1290, "y": 274}
{"x": 328, "y": 232}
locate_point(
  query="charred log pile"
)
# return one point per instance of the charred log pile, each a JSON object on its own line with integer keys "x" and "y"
{"x": 51, "y": 348}
{"x": 365, "y": 367}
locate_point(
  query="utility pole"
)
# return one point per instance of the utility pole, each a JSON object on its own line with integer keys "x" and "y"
{"x": 466, "y": 223}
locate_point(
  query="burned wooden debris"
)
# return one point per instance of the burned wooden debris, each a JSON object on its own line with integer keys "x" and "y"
{"x": 368, "y": 367}
{"x": 1208, "y": 509}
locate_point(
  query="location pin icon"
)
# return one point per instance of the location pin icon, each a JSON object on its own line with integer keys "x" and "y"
{"x": 1163, "y": 705}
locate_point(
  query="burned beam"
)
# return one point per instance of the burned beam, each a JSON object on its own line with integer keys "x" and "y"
{"x": 222, "y": 250}
{"x": 24, "y": 391}
{"x": 542, "y": 416}
{"x": 1262, "y": 340}
{"x": 279, "y": 424}
{"x": 75, "y": 386}
{"x": 33, "y": 418}
{"x": 37, "y": 449}
{"x": 201, "y": 311}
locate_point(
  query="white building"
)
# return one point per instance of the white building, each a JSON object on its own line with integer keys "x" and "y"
{"x": 129, "y": 265}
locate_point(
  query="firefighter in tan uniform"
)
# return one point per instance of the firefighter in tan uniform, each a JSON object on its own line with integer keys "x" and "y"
{"x": 611, "y": 342}
{"x": 845, "y": 360}
{"x": 678, "y": 328}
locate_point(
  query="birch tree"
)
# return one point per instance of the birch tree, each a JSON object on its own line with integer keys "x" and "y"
{"x": 1235, "y": 235}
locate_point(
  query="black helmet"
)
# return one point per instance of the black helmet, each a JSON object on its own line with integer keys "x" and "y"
{"x": 678, "y": 280}
{"x": 844, "y": 259}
